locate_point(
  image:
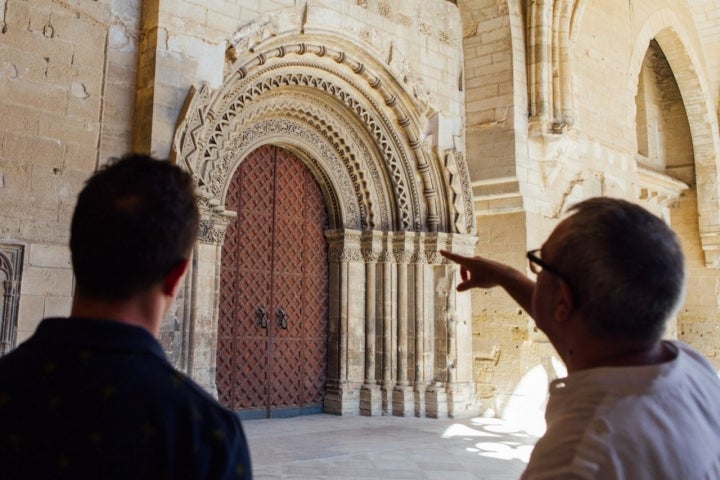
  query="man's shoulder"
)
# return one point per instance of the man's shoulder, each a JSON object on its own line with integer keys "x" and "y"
{"x": 191, "y": 391}
{"x": 170, "y": 385}
{"x": 666, "y": 411}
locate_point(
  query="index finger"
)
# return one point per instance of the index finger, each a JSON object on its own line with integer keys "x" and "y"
{"x": 453, "y": 256}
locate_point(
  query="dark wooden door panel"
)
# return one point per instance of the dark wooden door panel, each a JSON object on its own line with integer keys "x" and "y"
{"x": 274, "y": 261}
{"x": 250, "y": 389}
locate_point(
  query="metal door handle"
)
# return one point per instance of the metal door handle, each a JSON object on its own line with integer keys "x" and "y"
{"x": 283, "y": 320}
{"x": 262, "y": 319}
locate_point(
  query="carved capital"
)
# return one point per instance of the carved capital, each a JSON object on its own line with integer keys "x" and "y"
{"x": 403, "y": 246}
{"x": 372, "y": 245}
{"x": 213, "y": 226}
{"x": 344, "y": 246}
{"x": 453, "y": 242}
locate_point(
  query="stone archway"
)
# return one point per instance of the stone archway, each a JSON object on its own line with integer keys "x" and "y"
{"x": 399, "y": 340}
{"x": 664, "y": 27}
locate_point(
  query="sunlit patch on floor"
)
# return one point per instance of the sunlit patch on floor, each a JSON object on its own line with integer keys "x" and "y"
{"x": 498, "y": 439}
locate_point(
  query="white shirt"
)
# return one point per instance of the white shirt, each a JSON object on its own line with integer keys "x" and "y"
{"x": 633, "y": 423}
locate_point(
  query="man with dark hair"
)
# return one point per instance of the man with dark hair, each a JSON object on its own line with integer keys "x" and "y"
{"x": 633, "y": 406}
{"x": 93, "y": 395}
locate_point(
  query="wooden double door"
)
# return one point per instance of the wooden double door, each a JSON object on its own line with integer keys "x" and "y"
{"x": 272, "y": 327}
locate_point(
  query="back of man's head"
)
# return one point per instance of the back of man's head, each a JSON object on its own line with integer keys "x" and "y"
{"x": 626, "y": 268}
{"x": 135, "y": 219}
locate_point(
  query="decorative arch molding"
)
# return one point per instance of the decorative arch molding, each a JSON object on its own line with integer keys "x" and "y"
{"x": 375, "y": 101}
{"x": 688, "y": 68}
{"x": 393, "y": 201}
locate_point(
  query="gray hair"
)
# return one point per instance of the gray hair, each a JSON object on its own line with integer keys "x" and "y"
{"x": 626, "y": 268}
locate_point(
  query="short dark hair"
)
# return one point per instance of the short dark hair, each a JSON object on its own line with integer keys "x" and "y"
{"x": 626, "y": 267}
{"x": 135, "y": 219}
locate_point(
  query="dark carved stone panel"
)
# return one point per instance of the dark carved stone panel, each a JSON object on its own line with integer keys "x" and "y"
{"x": 10, "y": 271}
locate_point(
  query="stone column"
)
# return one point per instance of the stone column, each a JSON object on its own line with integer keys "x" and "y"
{"x": 421, "y": 334}
{"x": 346, "y": 323}
{"x": 370, "y": 395}
{"x": 202, "y": 316}
{"x": 388, "y": 322}
{"x": 403, "y": 397}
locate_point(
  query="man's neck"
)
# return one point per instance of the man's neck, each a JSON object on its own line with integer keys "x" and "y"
{"x": 607, "y": 356}
{"x": 144, "y": 310}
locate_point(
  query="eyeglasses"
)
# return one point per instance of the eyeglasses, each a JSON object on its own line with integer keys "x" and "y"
{"x": 537, "y": 265}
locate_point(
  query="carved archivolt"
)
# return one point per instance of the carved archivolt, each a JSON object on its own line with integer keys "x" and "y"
{"x": 362, "y": 129}
{"x": 344, "y": 161}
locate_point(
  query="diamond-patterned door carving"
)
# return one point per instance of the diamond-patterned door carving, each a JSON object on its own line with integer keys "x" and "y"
{"x": 272, "y": 330}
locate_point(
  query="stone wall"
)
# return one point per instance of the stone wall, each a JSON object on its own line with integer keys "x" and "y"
{"x": 67, "y": 77}
{"x": 186, "y": 45}
{"x": 574, "y": 135}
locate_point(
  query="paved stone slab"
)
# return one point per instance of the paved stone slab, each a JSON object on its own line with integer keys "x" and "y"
{"x": 343, "y": 448}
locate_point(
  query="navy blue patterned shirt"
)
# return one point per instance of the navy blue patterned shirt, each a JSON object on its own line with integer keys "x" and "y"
{"x": 98, "y": 399}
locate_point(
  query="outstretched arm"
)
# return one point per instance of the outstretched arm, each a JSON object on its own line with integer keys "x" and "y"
{"x": 483, "y": 273}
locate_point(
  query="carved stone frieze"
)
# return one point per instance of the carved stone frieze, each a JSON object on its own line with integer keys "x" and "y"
{"x": 458, "y": 243}
{"x": 187, "y": 141}
{"x": 386, "y": 256}
{"x": 372, "y": 245}
{"x": 403, "y": 246}
{"x": 250, "y": 35}
{"x": 419, "y": 255}
{"x": 344, "y": 246}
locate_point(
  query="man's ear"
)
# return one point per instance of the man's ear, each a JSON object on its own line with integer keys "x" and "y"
{"x": 174, "y": 278}
{"x": 564, "y": 307}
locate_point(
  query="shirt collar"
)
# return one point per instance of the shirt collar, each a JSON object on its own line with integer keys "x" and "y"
{"x": 98, "y": 333}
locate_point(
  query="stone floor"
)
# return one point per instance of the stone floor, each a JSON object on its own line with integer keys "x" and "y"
{"x": 341, "y": 448}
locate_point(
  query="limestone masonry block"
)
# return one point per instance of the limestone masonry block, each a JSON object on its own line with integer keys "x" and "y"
{"x": 31, "y": 311}
{"x": 57, "y": 306}
{"x": 52, "y": 256}
{"x": 47, "y": 281}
